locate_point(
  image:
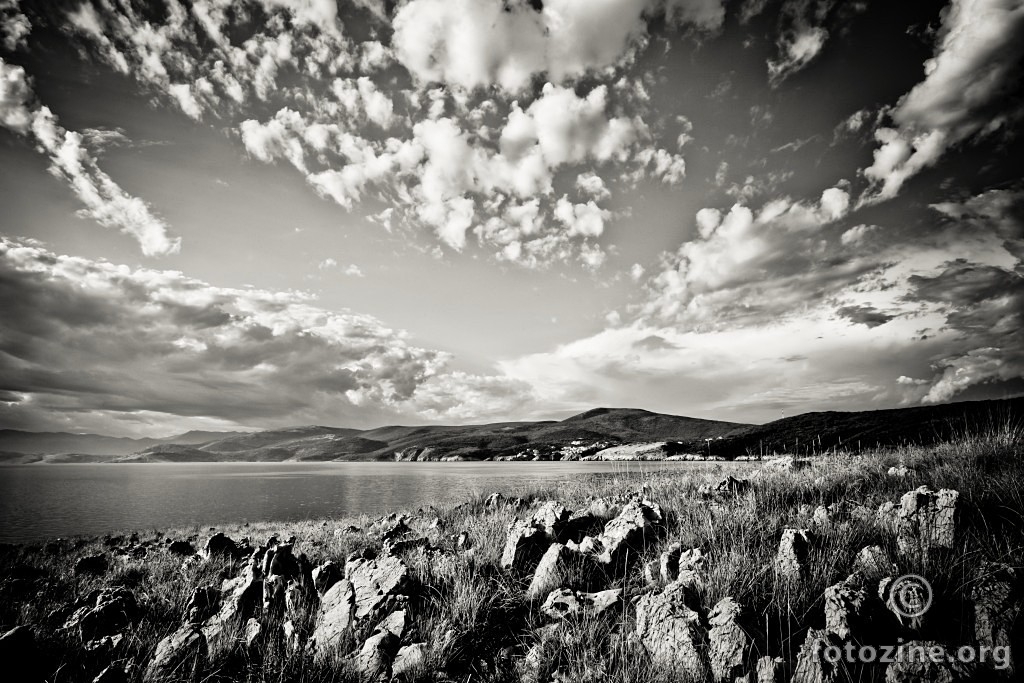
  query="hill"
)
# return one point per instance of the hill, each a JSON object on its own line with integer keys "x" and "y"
{"x": 50, "y": 443}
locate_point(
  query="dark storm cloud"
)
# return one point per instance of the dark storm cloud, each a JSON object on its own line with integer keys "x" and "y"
{"x": 864, "y": 315}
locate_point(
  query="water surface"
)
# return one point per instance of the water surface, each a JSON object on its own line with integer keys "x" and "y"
{"x": 46, "y": 500}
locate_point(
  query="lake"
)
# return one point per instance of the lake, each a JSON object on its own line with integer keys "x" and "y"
{"x": 47, "y": 500}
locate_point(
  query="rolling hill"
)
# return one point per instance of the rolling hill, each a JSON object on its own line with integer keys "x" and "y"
{"x": 577, "y": 435}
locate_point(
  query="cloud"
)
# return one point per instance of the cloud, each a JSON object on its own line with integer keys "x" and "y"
{"x": 14, "y": 25}
{"x": 472, "y": 43}
{"x": 105, "y": 201}
{"x": 188, "y": 350}
{"x": 801, "y": 37}
{"x": 864, "y": 315}
{"x": 976, "y": 61}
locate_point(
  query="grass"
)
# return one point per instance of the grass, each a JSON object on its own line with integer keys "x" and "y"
{"x": 474, "y": 617}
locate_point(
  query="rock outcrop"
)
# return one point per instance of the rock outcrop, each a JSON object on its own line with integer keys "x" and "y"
{"x": 794, "y": 548}
{"x": 673, "y": 634}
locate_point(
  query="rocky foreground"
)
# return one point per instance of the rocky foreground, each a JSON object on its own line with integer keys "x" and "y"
{"x": 657, "y": 583}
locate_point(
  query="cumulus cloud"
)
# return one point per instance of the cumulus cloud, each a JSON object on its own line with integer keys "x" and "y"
{"x": 801, "y": 38}
{"x": 191, "y": 349}
{"x": 469, "y": 43}
{"x": 105, "y": 201}
{"x": 976, "y": 60}
{"x": 14, "y": 25}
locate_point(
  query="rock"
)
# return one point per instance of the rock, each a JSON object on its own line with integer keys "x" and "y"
{"x": 845, "y": 608}
{"x": 404, "y": 546}
{"x": 221, "y": 546}
{"x": 93, "y": 564}
{"x": 463, "y": 542}
{"x": 373, "y": 661}
{"x": 524, "y": 546}
{"x": 873, "y": 562}
{"x": 181, "y": 548}
{"x": 791, "y": 559}
{"x": 114, "y": 673}
{"x": 605, "y": 509}
{"x": 672, "y": 633}
{"x": 900, "y": 471}
{"x": 111, "y": 610}
{"x": 728, "y": 641}
{"x": 926, "y": 520}
{"x": 552, "y": 518}
{"x": 997, "y": 603}
{"x": 564, "y": 602}
{"x": 493, "y": 501}
{"x": 635, "y": 525}
{"x": 769, "y": 670}
{"x": 181, "y": 655}
{"x": 811, "y": 664}
{"x": 239, "y": 600}
{"x": 251, "y": 632}
{"x": 374, "y": 581}
{"x": 561, "y": 566}
{"x": 334, "y": 621}
{"x": 730, "y": 486}
{"x": 786, "y": 463}
{"x": 326, "y": 575}
{"x": 410, "y": 660}
{"x": 674, "y": 559}
{"x": 920, "y": 661}
{"x": 202, "y": 604}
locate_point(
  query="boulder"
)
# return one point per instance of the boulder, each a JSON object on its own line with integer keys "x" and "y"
{"x": 926, "y": 520}
{"x": 674, "y": 560}
{"x": 811, "y": 665}
{"x": 845, "y": 608}
{"x": 730, "y": 486}
{"x": 791, "y": 559}
{"x": 552, "y": 518}
{"x": 769, "y": 670}
{"x": 410, "y": 660}
{"x": 786, "y": 463}
{"x": 873, "y": 562}
{"x": 561, "y": 566}
{"x": 524, "y": 546}
{"x": 92, "y": 564}
{"x": 374, "y": 581}
{"x": 405, "y": 545}
{"x": 672, "y": 634}
{"x": 900, "y": 471}
{"x": 637, "y": 524}
{"x": 326, "y": 575}
{"x": 181, "y": 548}
{"x": 564, "y": 602}
{"x": 374, "y": 660}
{"x": 493, "y": 501}
{"x": 922, "y": 661}
{"x": 997, "y": 602}
{"x": 202, "y": 604}
{"x": 222, "y": 547}
{"x": 239, "y": 600}
{"x": 110, "y": 611}
{"x": 181, "y": 655}
{"x": 727, "y": 639}
{"x": 334, "y": 620}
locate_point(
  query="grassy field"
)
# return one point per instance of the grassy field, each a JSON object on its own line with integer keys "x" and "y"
{"x": 475, "y": 618}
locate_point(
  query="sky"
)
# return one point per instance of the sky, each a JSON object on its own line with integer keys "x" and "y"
{"x": 235, "y": 215}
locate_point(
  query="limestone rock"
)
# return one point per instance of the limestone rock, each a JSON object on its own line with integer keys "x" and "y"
{"x": 926, "y": 520}
{"x": 873, "y": 562}
{"x": 564, "y": 602}
{"x": 524, "y": 546}
{"x": 811, "y": 665}
{"x": 552, "y": 517}
{"x": 180, "y": 655}
{"x": 769, "y": 670}
{"x": 410, "y": 660}
{"x": 791, "y": 559}
{"x": 374, "y": 581}
{"x": 845, "y": 605}
{"x": 920, "y": 661}
{"x": 202, "y": 604}
{"x": 786, "y": 463}
{"x": 673, "y": 634}
{"x": 222, "y": 547}
{"x": 239, "y": 600}
{"x": 181, "y": 548}
{"x": 900, "y": 471}
{"x": 728, "y": 641}
{"x": 334, "y": 620}
{"x": 109, "y": 611}
{"x": 326, "y": 575}
{"x": 637, "y": 524}
{"x": 93, "y": 564}
{"x": 997, "y": 604}
{"x": 561, "y": 566}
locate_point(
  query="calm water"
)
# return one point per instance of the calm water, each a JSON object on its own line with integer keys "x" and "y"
{"x": 40, "y": 501}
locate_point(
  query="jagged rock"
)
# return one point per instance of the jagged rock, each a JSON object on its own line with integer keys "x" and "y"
{"x": 564, "y": 602}
{"x": 348, "y": 530}
{"x": 906, "y": 600}
{"x": 926, "y": 520}
{"x": 181, "y": 548}
{"x": 404, "y": 546}
{"x": 561, "y": 566}
{"x": 334, "y": 620}
{"x": 110, "y": 611}
{"x": 221, "y": 546}
{"x": 672, "y": 633}
{"x": 524, "y": 546}
{"x": 605, "y": 509}
{"x": 494, "y": 501}
{"x": 811, "y": 665}
{"x": 552, "y": 518}
{"x": 239, "y": 600}
{"x": 786, "y": 463}
{"x": 395, "y": 531}
{"x": 93, "y": 564}
{"x": 180, "y": 655}
{"x": 326, "y": 575}
{"x": 114, "y": 673}
{"x": 920, "y": 661}
{"x": 997, "y": 606}
{"x": 728, "y": 641}
{"x": 845, "y": 607}
{"x": 791, "y": 559}
{"x": 900, "y": 471}
{"x": 202, "y": 604}
{"x": 635, "y": 525}
{"x": 769, "y": 670}
{"x": 725, "y": 487}
{"x": 373, "y": 661}
{"x": 374, "y": 581}
{"x": 410, "y": 660}
{"x": 873, "y": 562}
{"x": 251, "y": 632}
{"x": 674, "y": 560}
